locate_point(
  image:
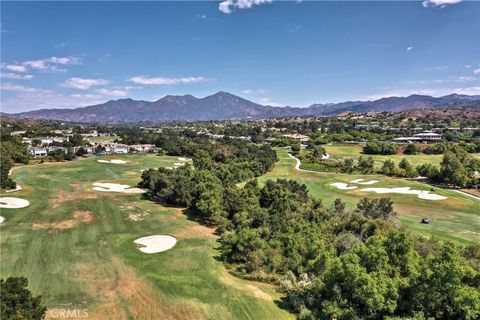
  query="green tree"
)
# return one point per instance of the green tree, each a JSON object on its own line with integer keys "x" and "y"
{"x": 17, "y": 302}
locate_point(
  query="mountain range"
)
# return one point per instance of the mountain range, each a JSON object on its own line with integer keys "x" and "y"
{"x": 223, "y": 106}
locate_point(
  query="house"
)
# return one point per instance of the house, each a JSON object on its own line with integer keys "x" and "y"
{"x": 37, "y": 152}
{"x": 428, "y": 136}
{"x": 45, "y": 140}
{"x": 142, "y": 147}
{"x": 296, "y": 136}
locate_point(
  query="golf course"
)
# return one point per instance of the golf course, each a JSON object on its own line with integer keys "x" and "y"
{"x": 342, "y": 151}
{"x": 75, "y": 244}
{"x": 455, "y": 218}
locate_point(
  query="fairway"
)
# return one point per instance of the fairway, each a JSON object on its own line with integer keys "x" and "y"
{"x": 457, "y": 218}
{"x": 76, "y": 247}
{"x": 342, "y": 151}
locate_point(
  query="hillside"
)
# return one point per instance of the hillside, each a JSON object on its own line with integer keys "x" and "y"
{"x": 224, "y": 105}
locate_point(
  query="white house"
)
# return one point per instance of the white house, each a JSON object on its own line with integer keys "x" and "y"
{"x": 428, "y": 136}
{"x": 37, "y": 152}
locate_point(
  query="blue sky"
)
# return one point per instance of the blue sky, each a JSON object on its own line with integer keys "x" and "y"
{"x": 71, "y": 54}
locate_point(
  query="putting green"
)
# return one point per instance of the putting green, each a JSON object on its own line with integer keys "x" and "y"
{"x": 457, "y": 218}
{"x": 76, "y": 247}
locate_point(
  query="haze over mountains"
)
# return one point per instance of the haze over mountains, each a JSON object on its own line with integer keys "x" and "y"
{"x": 224, "y": 105}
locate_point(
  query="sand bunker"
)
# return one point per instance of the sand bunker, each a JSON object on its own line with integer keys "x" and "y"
{"x": 115, "y": 187}
{"x": 359, "y": 181}
{"x": 422, "y": 194}
{"x": 115, "y": 161}
{"x": 2, "y": 219}
{"x": 342, "y": 186}
{"x": 325, "y": 156}
{"x": 155, "y": 244}
{"x": 13, "y": 203}
{"x": 179, "y": 164}
{"x": 182, "y": 159}
{"x": 17, "y": 188}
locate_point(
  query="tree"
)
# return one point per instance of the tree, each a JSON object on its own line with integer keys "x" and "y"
{"x": 411, "y": 148}
{"x": 454, "y": 171}
{"x": 410, "y": 171}
{"x": 17, "y": 302}
{"x": 365, "y": 166}
{"x": 5, "y": 181}
{"x": 388, "y": 167}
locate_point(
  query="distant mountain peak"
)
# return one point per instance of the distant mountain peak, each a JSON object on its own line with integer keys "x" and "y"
{"x": 223, "y": 105}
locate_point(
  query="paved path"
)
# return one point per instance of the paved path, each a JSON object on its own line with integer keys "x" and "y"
{"x": 468, "y": 195}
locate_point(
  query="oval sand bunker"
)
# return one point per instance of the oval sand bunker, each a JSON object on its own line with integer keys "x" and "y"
{"x": 155, "y": 244}
{"x": 2, "y": 219}
{"x": 13, "y": 203}
{"x": 115, "y": 161}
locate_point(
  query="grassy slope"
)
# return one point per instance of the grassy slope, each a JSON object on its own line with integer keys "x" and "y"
{"x": 457, "y": 218}
{"x": 96, "y": 265}
{"x": 340, "y": 151}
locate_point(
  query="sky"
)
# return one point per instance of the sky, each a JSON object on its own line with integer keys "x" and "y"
{"x": 74, "y": 54}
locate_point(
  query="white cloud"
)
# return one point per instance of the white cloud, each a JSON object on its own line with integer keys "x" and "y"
{"x": 159, "y": 81}
{"x": 470, "y": 91}
{"x": 16, "y": 76}
{"x": 83, "y": 84}
{"x": 16, "y": 88}
{"x": 266, "y": 101}
{"x": 436, "y": 92}
{"x": 476, "y": 71}
{"x": 46, "y": 99}
{"x": 227, "y": 6}
{"x": 460, "y": 79}
{"x": 439, "y": 3}
{"x": 254, "y": 91}
{"x": 64, "y": 60}
{"x": 409, "y": 49}
{"x": 112, "y": 92}
{"x": 14, "y": 67}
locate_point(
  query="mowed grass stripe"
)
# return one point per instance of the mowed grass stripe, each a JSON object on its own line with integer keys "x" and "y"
{"x": 98, "y": 262}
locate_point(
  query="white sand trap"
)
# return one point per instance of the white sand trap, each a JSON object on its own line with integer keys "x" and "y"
{"x": 342, "y": 186}
{"x": 182, "y": 159}
{"x": 155, "y": 244}
{"x": 170, "y": 168}
{"x": 359, "y": 181}
{"x": 426, "y": 195}
{"x": 17, "y": 188}
{"x": 115, "y": 161}
{"x": 178, "y": 164}
{"x": 2, "y": 219}
{"x": 422, "y": 194}
{"x": 13, "y": 203}
{"x": 325, "y": 156}
{"x": 115, "y": 187}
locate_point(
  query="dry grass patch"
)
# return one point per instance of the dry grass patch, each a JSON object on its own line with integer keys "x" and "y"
{"x": 122, "y": 294}
{"x": 252, "y": 288}
{"x": 196, "y": 231}
{"x": 77, "y": 194}
{"x": 79, "y": 217}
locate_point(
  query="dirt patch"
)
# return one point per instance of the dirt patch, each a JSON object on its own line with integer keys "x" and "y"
{"x": 77, "y": 194}
{"x": 79, "y": 217}
{"x": 135, "y": 217}
{"x": 196, "y": 231}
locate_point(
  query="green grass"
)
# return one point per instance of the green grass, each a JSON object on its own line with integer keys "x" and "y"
{"x": 456, "y": 218}
{"x": 341, "y": 151}
{"x": 96, "y": 265}
{"x": 102, "y": 139}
